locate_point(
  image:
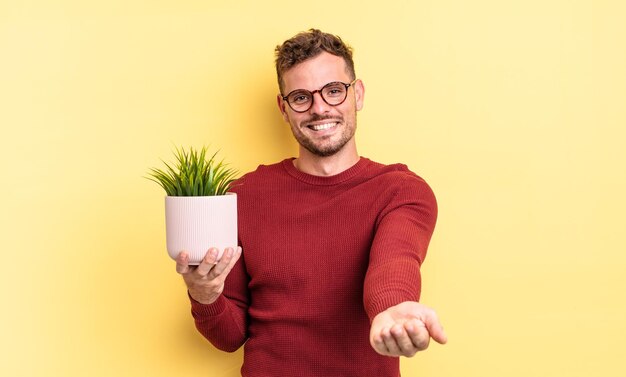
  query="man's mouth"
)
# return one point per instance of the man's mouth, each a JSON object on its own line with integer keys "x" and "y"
{"x": 323, "y": 126}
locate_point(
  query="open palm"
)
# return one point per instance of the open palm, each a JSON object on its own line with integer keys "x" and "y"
{"x": 405, "y": 329}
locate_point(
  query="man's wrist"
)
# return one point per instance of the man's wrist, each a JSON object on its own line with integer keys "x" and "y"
{"x": 214, "y": 308}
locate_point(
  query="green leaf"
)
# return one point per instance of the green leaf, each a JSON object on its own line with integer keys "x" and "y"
{"x": 193, "y": 174}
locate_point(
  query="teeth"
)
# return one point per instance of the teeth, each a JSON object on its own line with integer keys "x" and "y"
{"x": 324, "y": 126}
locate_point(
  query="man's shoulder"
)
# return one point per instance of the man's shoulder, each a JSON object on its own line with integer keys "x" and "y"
{"x": 400, "y": 185}
{"x": 264, "y": 170}
{"x": 264, "y": 174}
{"x": 395, "y": 172}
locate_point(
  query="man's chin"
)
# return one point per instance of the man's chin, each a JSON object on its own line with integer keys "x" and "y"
{"x": 324, "y": 151}
{"x": 326, "y": 146}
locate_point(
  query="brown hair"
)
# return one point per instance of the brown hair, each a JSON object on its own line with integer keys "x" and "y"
{"x": 307, "y": 45}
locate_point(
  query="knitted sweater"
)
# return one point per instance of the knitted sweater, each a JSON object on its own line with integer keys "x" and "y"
{"x": 322, "y": 256}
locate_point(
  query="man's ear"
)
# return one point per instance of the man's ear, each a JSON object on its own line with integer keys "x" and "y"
{"x": 359, "y": 91}
{"x": 282, "y": 107}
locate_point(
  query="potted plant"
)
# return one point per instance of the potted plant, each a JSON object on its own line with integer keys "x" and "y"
{"x": 200, "y": 212}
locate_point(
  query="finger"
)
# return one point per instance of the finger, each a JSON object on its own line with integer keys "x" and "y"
{"x": 403, "y": 340}
{"x": 390, "y": 342}
{"x": 418, "y": 333}
{"x": 377, "y": 344}
{"x": 182, "y": 263}
{"x": 233, "y": 260}
{"x": 226, "y": 263}
{"x": 207, "y": 263}
{"x": 376, "y": 340}
{"x": 435, "y": 329}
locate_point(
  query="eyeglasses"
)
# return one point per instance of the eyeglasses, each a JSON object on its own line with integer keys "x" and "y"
{"x": 334, "y": 93}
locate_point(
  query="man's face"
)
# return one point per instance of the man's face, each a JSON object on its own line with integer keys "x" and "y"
{"x": 323, "y": 130}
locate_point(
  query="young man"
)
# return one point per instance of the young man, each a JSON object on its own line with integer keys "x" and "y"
{"x": 330, "y": 278}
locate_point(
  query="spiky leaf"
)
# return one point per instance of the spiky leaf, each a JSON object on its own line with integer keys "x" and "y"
{"x": 193, "y": 174}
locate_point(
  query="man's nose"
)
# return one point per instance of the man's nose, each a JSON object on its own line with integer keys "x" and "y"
{"x": 319, "y": 106}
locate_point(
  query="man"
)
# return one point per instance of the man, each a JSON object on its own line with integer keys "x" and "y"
{"x": 329, "y": 278}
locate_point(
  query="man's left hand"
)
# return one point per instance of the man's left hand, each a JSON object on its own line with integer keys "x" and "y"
{"x": 405, "y": 329}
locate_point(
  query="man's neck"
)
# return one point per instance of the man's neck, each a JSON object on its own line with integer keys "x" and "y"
{"x": 326, "y": 166}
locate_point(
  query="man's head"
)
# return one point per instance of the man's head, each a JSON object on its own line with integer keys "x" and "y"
{"x": 321, "y": 94}
{"x": 307, "y": 45}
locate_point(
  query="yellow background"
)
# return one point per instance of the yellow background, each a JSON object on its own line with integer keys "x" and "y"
{"x": 514, "y": 112}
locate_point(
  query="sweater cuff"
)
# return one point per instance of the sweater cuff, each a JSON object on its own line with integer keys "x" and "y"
{"x": 213, "y": 309}
{"x": 382, "y": 302}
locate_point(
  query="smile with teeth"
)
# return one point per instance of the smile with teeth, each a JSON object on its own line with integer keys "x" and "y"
{"x": 324, "y": 126}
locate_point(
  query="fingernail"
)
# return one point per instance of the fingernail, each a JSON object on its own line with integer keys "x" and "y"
{"x": 213, "y": 253}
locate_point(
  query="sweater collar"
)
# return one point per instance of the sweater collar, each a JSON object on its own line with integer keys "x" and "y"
{"x": 323, "y": 180}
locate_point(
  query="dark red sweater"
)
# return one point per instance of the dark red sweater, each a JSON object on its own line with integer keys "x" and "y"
{"x": 321, "y": 257}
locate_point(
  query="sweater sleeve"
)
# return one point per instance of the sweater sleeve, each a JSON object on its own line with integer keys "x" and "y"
{"x": 224, "y": 322}
{"x": 403, "y": 232}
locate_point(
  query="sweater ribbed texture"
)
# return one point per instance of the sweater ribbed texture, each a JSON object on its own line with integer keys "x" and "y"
{"x": 321, "y": 257}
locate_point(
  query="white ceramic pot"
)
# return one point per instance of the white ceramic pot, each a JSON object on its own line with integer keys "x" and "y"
{"x": 196, "y": 223}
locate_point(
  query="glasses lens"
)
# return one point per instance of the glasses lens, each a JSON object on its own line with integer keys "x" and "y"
{"x": 300, "y": 100}
{"x": 334, "y": 93}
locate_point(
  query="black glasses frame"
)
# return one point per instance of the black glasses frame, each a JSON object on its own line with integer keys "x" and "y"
{"x": 286, "y": 98}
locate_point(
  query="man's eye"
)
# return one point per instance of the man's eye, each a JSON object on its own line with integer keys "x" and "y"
{"x": 300, "y": 98}
{"x": 334, "y": 91}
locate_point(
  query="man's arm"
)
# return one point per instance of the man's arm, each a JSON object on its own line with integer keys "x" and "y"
{"x": 400, "y": 325}
{"x": 218, "y": 294}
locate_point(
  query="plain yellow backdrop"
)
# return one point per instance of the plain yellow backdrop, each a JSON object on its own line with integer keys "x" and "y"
{"x": 513, "y": 111}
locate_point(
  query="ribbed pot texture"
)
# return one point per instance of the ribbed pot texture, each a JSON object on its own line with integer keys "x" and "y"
{"x": 196, "y": 223}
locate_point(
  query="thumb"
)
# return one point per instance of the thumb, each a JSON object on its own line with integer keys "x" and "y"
{"x": 435, "y": 329}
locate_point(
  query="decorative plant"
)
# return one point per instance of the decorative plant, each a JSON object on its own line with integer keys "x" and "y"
{"x": 194, "y": 174}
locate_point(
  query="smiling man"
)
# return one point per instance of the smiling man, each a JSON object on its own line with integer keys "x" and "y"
{"x": 325, "y": 129}
{"x": 329, "y": 279}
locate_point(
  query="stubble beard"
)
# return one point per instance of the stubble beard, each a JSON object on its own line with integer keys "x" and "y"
{"x": 325, "y": 149}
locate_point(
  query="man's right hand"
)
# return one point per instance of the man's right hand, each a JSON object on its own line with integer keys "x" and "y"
{"x": 205, "y": 282}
